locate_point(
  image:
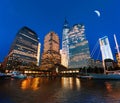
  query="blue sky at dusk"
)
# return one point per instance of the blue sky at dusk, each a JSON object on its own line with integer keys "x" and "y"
{"x": 43, "y": 16}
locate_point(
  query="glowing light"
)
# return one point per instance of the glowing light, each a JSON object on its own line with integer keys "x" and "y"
{"x": 26, "y": 72}
{"x": 78, "y": 85}
{"x": 35, "y": 84}
{"x": 38, "y": 54}
{"x": 25, "y": 84}
{"x": 108, "y": 87}
{"x": 30, "y": 84}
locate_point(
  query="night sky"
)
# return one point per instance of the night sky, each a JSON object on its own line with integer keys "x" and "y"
{"x": 43, "y": 16}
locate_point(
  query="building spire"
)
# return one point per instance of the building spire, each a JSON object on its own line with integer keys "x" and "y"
{"x": 66, "y": 23}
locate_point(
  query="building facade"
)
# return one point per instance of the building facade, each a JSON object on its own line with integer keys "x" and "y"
{"x": 79, "y": 53}
{"x": 25, "y": 49}
{"x": 107, "y": 57}
{"x": 95, "y": 63}
{"x": 75, "y": 48}
{"x": 105, "y": 48}
{"x": 51, "y": 52}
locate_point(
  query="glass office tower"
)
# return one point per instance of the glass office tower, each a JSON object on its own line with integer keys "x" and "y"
{"x": 25, "y": 48}
{"x": 65, "y": 46}
{"x": 79, "y": 53}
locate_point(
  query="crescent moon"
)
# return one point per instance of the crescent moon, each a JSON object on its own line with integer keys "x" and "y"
{"x": 97, "y": 12}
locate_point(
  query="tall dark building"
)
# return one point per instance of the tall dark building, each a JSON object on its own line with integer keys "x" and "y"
{"x": 51, "y": 52}
{"x": 25, "y": 49}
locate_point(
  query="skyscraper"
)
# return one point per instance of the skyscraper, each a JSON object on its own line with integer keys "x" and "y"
{"x": 25, "y": 48}
{"x": 79, "y": 53}
{"x": 75, "y": 48}
{"x": 106, "y": 53}
{"x": 65, "y": 47}
{"x": 51, "y": 52}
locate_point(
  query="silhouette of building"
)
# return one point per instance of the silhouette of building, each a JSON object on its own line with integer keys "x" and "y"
{"x": 51, "y": 52}
{"x": 25, "y": 49}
